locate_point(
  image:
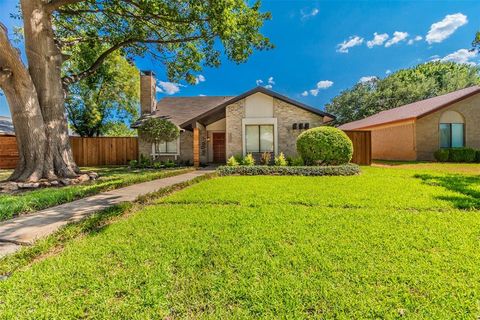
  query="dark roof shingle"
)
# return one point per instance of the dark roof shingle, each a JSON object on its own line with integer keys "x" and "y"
{"x": 412, "y": 110}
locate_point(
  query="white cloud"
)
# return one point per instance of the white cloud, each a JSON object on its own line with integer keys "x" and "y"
{"x": 388, "y": 71}
{"x": 416, "y": 39}
{"x": 269, "y": 85}
{"x": 461, "y": 56}
{"x": 168, "y": 87}
{"x": 378, "y": 40}
{"x": 202, "y": 95}
{"x": 441, "y": 30}
{"x": 397, "y": 37}
{"x": 323, "y": 84}
{"x": 199, "y": 78}
{"x": 309, "y": 14}
{"x": 353, "y": 41}
{"x": 367, "y": 79}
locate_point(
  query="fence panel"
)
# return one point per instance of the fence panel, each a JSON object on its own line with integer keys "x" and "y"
{"x": 96, "y": 151}
{"x": 362, "y": 146}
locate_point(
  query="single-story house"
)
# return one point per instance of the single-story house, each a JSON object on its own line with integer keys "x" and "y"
{"x": 213, "y": 128}
{"x": 6, "y": 126}
{"x": 416, "y": 130}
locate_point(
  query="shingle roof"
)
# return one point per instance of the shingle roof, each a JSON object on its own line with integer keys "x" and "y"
{"x": 181, "y": 109}
{"x": 413, "y": 110}
{"x": 6, "y": 126}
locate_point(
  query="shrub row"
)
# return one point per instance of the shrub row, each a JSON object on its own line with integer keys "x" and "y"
{"x": 457, "y": 155}
{"x": 342, "y": 170}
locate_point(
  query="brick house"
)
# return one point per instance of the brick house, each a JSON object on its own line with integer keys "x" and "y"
{"x": 416, "y": 130}
{"x": 213, "y": 128}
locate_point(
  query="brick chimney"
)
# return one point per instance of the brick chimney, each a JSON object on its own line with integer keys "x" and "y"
{"x": 148, "y": 86}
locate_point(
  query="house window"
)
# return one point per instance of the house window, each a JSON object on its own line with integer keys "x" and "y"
{"x": 259, "y": 138}
{"x": 452, "y": 135}
{"x": 164, "y": 147}
{"x": 452, "y": 130}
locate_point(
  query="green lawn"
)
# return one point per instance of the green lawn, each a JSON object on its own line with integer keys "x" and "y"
{"x": 110, "y": 178}
{"x": 391, "y": 242}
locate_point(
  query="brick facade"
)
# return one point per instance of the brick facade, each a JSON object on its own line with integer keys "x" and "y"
{"x": 234, "y": 114}
{"x": 427, "y": 128}
{"x": 287, "y": 115}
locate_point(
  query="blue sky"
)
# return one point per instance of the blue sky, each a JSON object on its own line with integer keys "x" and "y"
{"x": 310, "y": 63}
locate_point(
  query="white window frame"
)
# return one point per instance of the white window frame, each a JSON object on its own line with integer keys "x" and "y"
{"x": 260, "y": 121}
{"x": 176, "y": 154}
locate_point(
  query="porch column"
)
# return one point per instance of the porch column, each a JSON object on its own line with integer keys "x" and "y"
{"x": 196, "y": 147}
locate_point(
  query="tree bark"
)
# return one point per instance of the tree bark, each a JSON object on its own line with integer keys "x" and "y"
{"x": 44, "y": 65}
{"x": 16, "y": 83}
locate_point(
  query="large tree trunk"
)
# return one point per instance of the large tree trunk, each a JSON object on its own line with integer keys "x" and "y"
{"x": 44, "y": 64}
{"x": 16, "y": 83}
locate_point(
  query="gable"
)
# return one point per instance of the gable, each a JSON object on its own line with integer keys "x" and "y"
{"x": 259, "y": 105}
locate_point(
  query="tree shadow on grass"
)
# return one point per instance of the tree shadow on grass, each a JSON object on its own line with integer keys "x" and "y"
{"x": 467, "y": 186}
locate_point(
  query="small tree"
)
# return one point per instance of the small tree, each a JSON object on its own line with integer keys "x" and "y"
{"x": 158, "y": 129}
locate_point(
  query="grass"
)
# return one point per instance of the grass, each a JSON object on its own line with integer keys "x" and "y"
{"x": 389, "y": 243}
{"x": 467, "y": 168}
{"x": 110, "y": 178}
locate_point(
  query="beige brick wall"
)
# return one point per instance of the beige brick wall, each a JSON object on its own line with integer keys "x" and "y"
{"x": 186, "y": 148}
{"x": 234, "y": 114}
{"x": 287, "y": 115}
{"x": 427, "y": 128}
{"x": 395, "y": 142}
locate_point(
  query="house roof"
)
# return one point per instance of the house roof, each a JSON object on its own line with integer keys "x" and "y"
{"x": 185, "y": 111}
{"x": 263, "y": 90}
{"x": 6, "y": 126}
{"x": 413, "y": 110}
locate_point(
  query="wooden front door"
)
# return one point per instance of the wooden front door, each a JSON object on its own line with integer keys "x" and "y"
{"x": 218, "y": 142}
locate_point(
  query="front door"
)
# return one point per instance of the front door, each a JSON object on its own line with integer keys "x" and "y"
{"x": 218, "y": 142}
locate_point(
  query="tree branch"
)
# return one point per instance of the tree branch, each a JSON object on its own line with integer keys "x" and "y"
{"x": 67, "y": 80}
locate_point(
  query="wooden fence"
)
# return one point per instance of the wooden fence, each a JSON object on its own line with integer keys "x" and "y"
{"x": 86, "y": 151}
{"x": 362, "y": 146}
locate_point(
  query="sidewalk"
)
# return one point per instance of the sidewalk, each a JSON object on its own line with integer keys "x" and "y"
{"x": 25, "y": 229}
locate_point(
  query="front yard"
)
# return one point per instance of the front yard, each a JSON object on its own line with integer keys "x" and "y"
{"x": 388, "y": 243}
{"x": 110, "y": 178}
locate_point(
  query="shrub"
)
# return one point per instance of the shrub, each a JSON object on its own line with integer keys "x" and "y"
{"x": 280, "y": 160}
{"x": 461, "y": 155}
{"x": 238, "y": 158}
{"x": 324, "y": 146}
{"x": 169, "y": 164}
{"x": 232, "y": 162}
{"x": 477, "y": 155}
{"x": 133, "y": 163}
{"x": 157, "y": 165}
{"x": 266, "y": 158}
{"x": 296, "y": 162}
{"x": 342, "y": 170}
{"x": 248, "y": 160}
{"x": 441, "y": 155}
{"x": 145, "y": 162}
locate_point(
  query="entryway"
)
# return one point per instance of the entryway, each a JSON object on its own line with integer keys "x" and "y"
{"x": 218, "y": 144}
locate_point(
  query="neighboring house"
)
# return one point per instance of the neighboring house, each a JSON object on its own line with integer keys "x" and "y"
{"x": 415, "y": 131}
{"x": 6, "y": 127}
{"x": 215, "y": 128}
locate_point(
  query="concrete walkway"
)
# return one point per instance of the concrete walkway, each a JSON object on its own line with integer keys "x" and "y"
{"x": 26, "y": 229}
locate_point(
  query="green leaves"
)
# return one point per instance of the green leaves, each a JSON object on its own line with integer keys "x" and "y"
{"x": 402, "y": 87}
{"x": 158, "y": 129}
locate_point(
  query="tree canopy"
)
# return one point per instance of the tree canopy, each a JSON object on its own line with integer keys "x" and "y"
{"x": 402, "y": 87}
{"x": 158, "y": 129}
{"x": 183, "y": 36}
{"x": 108, "y": 96}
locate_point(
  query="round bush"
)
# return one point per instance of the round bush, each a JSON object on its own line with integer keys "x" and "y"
{"x": 324, "y": 146}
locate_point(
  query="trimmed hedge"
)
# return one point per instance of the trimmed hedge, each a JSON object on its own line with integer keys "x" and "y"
{"x": 457, "y": 155}
{"x": 342, "y": 170}
{"x": 324, "y": 146}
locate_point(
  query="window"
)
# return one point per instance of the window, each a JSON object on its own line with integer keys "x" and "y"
{"x": 259, "y": 138}
{"x": 452, "y": 135}
{"x": 166, "y": 147}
